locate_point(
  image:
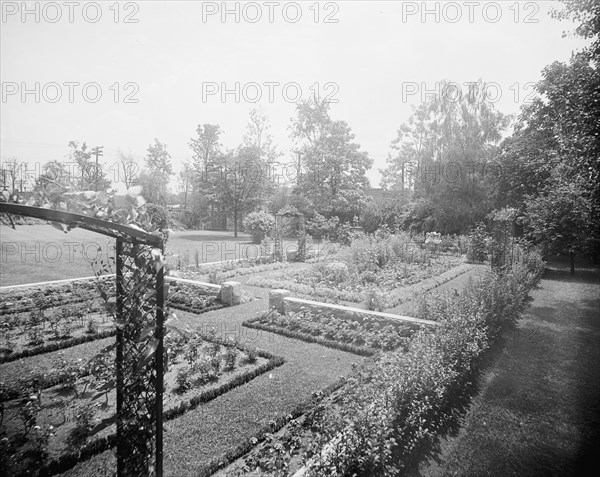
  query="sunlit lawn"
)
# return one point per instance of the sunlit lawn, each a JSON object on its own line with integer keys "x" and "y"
{"x": 34, "y": 253}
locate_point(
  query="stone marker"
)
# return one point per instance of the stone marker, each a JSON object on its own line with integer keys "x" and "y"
{"x": 276, "y": 300}
{"x": 231, "y": 293}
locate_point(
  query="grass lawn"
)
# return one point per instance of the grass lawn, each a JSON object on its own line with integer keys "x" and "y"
{"x": 538, "y": 412}
{"x": 35, "y": 253}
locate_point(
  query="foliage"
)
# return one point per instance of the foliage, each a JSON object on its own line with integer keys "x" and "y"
{"x": 477, "y": 249}
{"x": 333, "y": 168}
{"x": 230, "y": 358}
{"x": 587, "y": 13}
{"x": 561, "y": 220}
{"x": 392, "y": 413}
{"x": 392, "y": 264}
{"x": 389, "y": 212}
{"x": 363, "y": 331}
{"x": 159, "y": 218}
{"x": 441, "y": 154}
{"x": 259, "y": 224}
{"x": 90, "y": 175}
{"x": 375, "y": 300}
{"x": 237, "y": 180}
{"x": 319, "y": 227}
{"x": 554, "y": 152}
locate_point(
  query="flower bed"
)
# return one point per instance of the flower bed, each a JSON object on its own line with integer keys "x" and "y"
{"x": 50, "y": 426}
{"x": 220, "y": 272}
{"x": 317, "y": 281}
{"x": 391, "y": 414}
{"x": 368, "y": 265}
{"x": 363, "y": 337}
{"x": 48, "y": 329}
{"x": 24, "y": 299}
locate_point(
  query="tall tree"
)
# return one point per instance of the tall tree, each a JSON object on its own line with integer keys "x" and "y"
{"x": 258, "y": 136}
{"x": 158, "y": 159}
{"x": 206, "y": 146}
{"x": 238, "y": 181}
{"x": 129, "y": 169}
{"x": 552, "y": 160}
{"x": 155, "y": 177}
{"x": 87, "y": 175}
{"x": 560, "y": 218}
{"x": 333, "y": 169}
{"x": 441, "y": 154}
{"x": 186, "y": 180}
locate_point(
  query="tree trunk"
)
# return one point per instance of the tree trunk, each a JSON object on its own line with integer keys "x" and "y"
{"x": 572, "y": 255}
{"x": 235, "y": 223}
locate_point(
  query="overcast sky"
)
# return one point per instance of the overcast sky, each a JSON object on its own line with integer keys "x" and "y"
{"x": 146, "y": 70}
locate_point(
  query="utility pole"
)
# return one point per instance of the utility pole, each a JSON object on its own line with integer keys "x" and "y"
{"x": 97, "y": 151}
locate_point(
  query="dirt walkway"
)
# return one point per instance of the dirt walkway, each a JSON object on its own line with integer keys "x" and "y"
{"x": 538, "y": 412}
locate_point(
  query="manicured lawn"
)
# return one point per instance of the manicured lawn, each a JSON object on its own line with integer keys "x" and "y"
{"x": 538, "y": 411}
{"x": 35, "y": 253}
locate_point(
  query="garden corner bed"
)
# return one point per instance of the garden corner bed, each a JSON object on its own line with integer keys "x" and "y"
{"x": 373, "y": 271}
{"x": 45, "y": 319}
{"x": 52, "y": 427}
{"x": 363, "y": 336}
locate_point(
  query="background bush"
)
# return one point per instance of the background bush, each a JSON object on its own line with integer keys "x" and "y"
{"x": 259, "y": 225}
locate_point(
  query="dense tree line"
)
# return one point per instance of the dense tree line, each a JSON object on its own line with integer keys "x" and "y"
{"x": 451, "y": 163}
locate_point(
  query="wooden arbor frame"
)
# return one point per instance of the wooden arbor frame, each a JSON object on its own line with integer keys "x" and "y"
{"x": 138, "y": 453}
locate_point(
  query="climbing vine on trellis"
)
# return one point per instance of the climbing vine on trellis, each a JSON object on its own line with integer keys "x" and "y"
{"x": 503, "y": 233}
{"x": 138, "y": 309}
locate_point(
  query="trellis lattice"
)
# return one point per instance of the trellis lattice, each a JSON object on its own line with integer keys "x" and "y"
{"x": 503, "y": 233}
{"x": 139, "y": 366}
{"x": 140, "y": 292}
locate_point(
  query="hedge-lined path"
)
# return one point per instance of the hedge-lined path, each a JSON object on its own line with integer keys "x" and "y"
{"x": 207, "y": 432}
{"x": 538, "y": 412}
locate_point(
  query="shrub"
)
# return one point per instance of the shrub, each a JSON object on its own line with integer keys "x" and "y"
{"x": 317, "y": 226}
{"x": 83, "y": 425}
{"x": 159, "y": 218}
{"x": 259, "y": 225}
{"x": 183, "y": 380}
{"x": 205, "y": 370}
{"x": 375, "y": 300}
{"x": 251, "y": 355}
{"x": 335, "y": 272}
{"x": 230, "y": 357}
{"x": 477, "y": 248}
{"x": 394, "y": 412}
